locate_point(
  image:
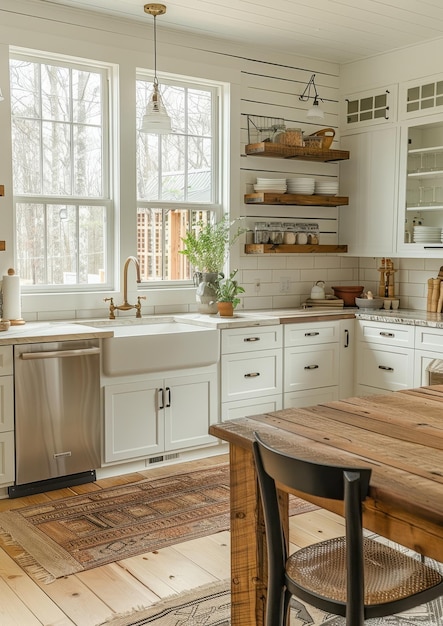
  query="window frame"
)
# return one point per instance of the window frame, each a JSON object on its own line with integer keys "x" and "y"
{"x": 106, "y": 198}
{"x": 216, "y": 205}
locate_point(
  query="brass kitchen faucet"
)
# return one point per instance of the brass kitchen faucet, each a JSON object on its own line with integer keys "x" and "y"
{"x": 126, "y": 306}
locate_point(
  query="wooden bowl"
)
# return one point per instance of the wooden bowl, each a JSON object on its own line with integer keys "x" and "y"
{"x": 348, "y": 293}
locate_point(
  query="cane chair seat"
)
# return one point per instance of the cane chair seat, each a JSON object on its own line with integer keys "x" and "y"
{"x": 389, "y": 574}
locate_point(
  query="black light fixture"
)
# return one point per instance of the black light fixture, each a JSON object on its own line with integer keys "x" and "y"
{"x": 156, "y": 119}
{"x": 315, "y": 111}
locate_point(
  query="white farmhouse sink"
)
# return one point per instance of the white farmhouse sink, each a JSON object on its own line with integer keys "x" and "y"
{"x": 156, "y": 347}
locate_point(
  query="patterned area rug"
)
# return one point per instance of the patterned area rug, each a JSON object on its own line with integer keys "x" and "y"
{"x": 211, "y": 605}
{"x": 74, "y": 534}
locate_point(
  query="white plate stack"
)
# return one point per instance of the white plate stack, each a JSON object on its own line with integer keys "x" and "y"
{"x": 270, "y": 185}
{"x": 301, "y": 186}
{"x": 326, "y": 187}
{"x": 427, "y": 234}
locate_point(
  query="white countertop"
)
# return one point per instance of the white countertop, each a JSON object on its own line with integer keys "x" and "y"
{"x": 35, "y": 332}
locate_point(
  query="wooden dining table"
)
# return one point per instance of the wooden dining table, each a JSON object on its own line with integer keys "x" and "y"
{"x": 399, "y": 436}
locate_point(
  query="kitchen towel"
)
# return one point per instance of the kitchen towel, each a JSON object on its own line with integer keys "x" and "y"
{"x": 11, "y": 296}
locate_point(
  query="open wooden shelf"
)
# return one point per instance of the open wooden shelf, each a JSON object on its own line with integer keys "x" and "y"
{"x": 281, "y": 151}
{"x": 270, "y": 248}
{"x": 295, "y": 199}
{"x": 2, "y": 246}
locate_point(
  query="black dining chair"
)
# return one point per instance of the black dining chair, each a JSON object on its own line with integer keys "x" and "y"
{"x": 352, "y": 576}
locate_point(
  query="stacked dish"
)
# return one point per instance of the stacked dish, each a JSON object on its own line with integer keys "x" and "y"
{"x": 302, "y": 186}
{"x": 270, "y": 185}
{"x": 427, "y": 234}
{"x": 326, "y": 187}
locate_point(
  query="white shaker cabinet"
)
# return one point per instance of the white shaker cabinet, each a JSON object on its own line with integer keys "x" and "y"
{"x": 311, "y": 363}
{"x": 148, "y": 416}
{"x": 385, "y": 357}
{"x": 251, "y": 371}
{"x": 7, "y": 466}
{"x": 369, "y": 223}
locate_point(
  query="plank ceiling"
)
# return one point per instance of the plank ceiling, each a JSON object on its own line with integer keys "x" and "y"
{"x": 339, "y": 31}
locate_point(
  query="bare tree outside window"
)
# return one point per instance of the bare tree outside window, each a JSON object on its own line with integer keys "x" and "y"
{"x": 59, "y": 160}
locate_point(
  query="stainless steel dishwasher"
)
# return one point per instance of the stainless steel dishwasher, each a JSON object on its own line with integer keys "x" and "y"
{"x": 57, "y": 414}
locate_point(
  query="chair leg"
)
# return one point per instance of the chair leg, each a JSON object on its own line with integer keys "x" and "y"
{"x": 275, "y": 615}
{"x": 287, "y": 600}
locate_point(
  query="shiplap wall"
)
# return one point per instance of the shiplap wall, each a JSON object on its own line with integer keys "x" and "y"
{"x": 272, "y": 90}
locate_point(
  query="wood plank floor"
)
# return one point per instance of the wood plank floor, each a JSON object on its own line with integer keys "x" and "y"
{"x": 92, "y": 597}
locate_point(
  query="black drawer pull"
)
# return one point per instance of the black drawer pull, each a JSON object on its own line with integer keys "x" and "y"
{"x": 252, "y": 375}
{"x": 386, "y": 368}
{"x": 384, "y": 334}
{"x": 313, "y": 334}
{"x": 311, "y": 367}
{"x": 251, "y": 339}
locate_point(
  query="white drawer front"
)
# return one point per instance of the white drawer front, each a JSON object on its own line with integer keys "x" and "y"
{"x": 249, "y": 376}
{"x": 429, "y": 339}
{"x": 251, "y": 406}
{"x": 385, "y": 334}
{"x": 311, "y": 334}
{"x": 385, "y": 369}
{"x": 6, "y": 360}
{"x": 309, "y": 368}
{"x": 309, "y": 397}
{"x": 248, "y": 339}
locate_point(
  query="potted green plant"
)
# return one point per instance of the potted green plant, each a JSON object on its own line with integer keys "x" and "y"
{"x": 207, "y": 245}
{"x": 227, "y": 291}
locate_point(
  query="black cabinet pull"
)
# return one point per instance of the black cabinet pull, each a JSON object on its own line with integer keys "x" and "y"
{"x": 161, "y": 398}
{"x": 251, "y": 339}
{"x": 313, "y": 334}
{"x": 311, "y": 367}
{"x": 385, "y": 334}
{"x": 346, "y": 338}
{"x": 385, "y": 368}
{"x": 168, "y": 401}
{"x": 252, "y": 375}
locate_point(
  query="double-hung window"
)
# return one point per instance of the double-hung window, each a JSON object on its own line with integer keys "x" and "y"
{"x": 62, "y": 199}
{"x": 177, "y": 175}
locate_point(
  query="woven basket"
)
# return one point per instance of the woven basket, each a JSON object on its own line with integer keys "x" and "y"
{"x": 320, "y": 140}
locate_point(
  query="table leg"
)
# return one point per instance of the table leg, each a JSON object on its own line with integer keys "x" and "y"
{"x": 248, "y": 548}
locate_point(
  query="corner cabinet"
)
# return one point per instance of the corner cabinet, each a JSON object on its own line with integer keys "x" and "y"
{"x": 421, "y": 189}
{"x": 369, "y": 223}
{"x": 155, "y": 415}
{"x": 280, "y": 151}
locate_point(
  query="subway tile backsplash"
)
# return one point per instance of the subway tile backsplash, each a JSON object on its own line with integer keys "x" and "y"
{"x": 286, "y": 280}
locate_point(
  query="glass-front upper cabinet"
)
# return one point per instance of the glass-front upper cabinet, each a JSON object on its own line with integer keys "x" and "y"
{"x": 421, "y": 170}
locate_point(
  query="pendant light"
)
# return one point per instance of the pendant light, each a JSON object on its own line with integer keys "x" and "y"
{"x": 156, "y": 119}
{"x": 315, "y": 112}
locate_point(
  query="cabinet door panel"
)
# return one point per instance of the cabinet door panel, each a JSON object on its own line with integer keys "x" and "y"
{"x": 252, "y": 406}
{"x": 368, "y": 223}
{"x": 251, "y": 339}
{"x": 310, "y": 397}
{"x": 133, "y": 422}
{"x": 311, "y": 334}
{"x": 311, "y": 367}
{"x": 249, "y": 376}
{"x": 6, "y": 403}
{"x": 192, "y": 409}
{"x": 385, "y": 369}
{"x": 7, "y": 467}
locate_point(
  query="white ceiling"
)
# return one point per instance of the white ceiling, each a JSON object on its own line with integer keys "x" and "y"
{"x": 334, "y": 30}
